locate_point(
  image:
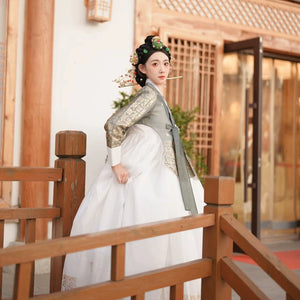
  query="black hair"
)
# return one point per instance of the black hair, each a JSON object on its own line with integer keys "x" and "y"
{"x": 152, "y": 44}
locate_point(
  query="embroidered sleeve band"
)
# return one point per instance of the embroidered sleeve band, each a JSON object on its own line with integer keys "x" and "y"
{"x": 117, "y": 125}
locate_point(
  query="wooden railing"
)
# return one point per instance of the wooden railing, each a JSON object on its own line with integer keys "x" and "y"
{"x": 119, "y": 286}
{"x": 218, "y": 242}
{"x": 267, "y": 260}
{"x": 218, "y": 272}
{"x": 68, "y": 176}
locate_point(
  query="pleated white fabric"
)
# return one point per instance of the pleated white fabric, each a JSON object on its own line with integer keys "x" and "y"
{"x": 152, "y": 193}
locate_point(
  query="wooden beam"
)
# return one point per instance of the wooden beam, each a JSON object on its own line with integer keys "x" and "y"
{"x": 138, "y": 284}
{"x": 29, "y": 213}
{"x": 225, "y": 31}
{"x": 30, "y": 174}
{"x": 61, "y": 246}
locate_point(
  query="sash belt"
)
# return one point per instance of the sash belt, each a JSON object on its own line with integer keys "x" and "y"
{"x": 183, "y": 173}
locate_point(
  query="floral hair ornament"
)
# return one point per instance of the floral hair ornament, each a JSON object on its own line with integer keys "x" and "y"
{"x": 134, "y": 59}
{"x": 127, "y": 79}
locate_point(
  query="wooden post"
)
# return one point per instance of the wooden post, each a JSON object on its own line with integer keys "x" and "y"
{"x": 9, "y": 93}
{"x": 36, "y": 106}
{"x": 219, "y": 196}
{"x": 70, "y": 147}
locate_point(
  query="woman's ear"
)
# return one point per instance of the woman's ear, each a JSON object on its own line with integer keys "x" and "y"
{"x": 142, "y": 68}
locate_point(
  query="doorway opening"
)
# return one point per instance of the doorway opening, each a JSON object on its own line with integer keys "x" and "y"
{"x": 278, "y": 157}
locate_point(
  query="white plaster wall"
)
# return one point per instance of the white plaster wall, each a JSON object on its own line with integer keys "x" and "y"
{"x": 87, "y": 57}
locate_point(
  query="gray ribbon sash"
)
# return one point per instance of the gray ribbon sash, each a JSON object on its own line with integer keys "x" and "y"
{"x": 183, "y": 173}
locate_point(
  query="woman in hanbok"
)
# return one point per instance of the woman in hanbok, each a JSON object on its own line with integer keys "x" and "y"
{"x": 147, "y": 178}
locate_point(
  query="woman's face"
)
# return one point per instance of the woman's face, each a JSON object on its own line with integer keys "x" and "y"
{"x": 156, "y": 68}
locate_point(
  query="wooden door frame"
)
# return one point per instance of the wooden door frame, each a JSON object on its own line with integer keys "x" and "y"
{"x": 255, "y": 45}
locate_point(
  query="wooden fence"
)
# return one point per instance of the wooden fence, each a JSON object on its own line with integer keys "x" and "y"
{"x": 68, "y": 176}
{"x": 218, "y": 272}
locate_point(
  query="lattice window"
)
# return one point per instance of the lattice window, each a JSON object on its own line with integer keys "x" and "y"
{"x": 196, "y": 62}
{"x": 252, "y": 13}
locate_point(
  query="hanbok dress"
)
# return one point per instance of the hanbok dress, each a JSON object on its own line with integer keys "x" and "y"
{"x": 138, "y": 136}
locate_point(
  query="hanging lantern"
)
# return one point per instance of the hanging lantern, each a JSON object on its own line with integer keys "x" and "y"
{"x": 98, "y": 10}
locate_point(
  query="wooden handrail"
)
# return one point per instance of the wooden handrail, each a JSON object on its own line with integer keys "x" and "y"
{"x": 266, "y": 259}
{"x": 29, "y": 213}
{"x": 141, "y": 283}
{"x": 30, "y": 174}
{"x": 24, "y": 256}
{"x": 62, "y": 246}
{"x": 240, "y": 282}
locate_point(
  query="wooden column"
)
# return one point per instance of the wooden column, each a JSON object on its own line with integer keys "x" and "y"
{"x": 36, "y": 108}
{"x": 9, "y": 96}
{"x": 70, "y": 147}
{"x": 219, "y": 196}
{"x": 143, "y": 21}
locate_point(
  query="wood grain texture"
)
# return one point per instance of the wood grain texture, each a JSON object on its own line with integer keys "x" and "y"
{"x": 22, "y": 284}
{"x": 240, "y": 282}
{"x": 266, "y": 259}
{"x": 30, "y": 174}
{"x": 118, "y": 262}
{"x": 29, "y": 213}
{"x": 36, "y": 106}
{"x": 138, "y": 284}
{"x": 61, "y": 246}
{"x": 8, "y": 118}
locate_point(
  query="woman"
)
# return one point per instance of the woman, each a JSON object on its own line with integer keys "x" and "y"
{"x": 147, "y": 178}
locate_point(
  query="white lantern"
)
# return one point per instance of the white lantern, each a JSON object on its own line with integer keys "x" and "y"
{"x": 98, "y": 10}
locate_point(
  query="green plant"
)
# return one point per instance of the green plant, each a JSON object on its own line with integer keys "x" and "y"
{"x": 124, "y": 100}
{"x": 183, "y": 120}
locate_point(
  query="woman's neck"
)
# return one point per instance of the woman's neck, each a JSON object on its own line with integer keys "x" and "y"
{"x": 158, "y": 88}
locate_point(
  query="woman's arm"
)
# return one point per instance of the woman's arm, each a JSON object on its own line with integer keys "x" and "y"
{"x": 117, "y": 125}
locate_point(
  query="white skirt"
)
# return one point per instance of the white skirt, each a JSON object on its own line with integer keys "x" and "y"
{"x": 152, "y": 193}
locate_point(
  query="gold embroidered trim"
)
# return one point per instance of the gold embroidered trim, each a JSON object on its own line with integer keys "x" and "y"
{"x": 117, "y": 125}
{"x": 169, "y": 156}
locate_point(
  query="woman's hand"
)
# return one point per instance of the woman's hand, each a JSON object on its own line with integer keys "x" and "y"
{"x": 121, "y": 173}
